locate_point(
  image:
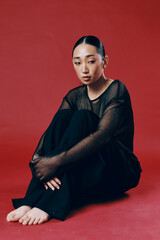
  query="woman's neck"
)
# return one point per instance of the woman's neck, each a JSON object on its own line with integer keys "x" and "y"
{"x": 97, "y": 88}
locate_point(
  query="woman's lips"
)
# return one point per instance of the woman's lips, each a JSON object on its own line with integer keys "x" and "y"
{"x": 86, "y": 77}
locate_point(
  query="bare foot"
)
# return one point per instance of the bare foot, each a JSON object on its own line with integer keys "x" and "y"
{"x": 15, "y": 215}
{"x": 34, "y": 216}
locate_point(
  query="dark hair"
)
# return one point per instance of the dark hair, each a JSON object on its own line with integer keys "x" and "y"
{"x": 92, "y": 40}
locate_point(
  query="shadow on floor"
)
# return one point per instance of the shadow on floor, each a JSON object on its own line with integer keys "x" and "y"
{"x": 88, "y": 201}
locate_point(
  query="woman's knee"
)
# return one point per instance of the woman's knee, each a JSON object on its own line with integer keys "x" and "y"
{"x": 61, "y": 118}
{"x": 85, "y": 114}
{"x": 85, "y": 118}
{"x": 63, "y": 114}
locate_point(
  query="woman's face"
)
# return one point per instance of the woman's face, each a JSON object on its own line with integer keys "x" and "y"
{"x": 87, "y": 63}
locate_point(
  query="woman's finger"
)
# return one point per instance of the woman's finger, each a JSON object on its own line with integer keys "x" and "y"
{"x": 35, "y": 161}
{"x": 57, "y": 180}
{"x": 45, "y": 185}
{"x": 50, "y": 186}
{"x": 54, "y": 183}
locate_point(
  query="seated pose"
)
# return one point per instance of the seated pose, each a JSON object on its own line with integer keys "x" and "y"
{"x": 87, "y": 150}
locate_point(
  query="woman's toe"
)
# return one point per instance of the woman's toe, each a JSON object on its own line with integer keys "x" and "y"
{"x": 31, "y": 221}
{"x": 12, "y": 216}
{"x": 40, "y": 221}
{"x": 21, "y": 219}
{"x": 36, "y": 221}
{"x": 9, "y": 217}
{"x": 25, "y": 222}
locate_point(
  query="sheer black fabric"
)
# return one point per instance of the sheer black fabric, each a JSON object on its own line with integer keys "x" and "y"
{"x": 116, "y": 120}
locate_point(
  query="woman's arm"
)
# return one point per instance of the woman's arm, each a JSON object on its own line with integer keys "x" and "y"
{"x": 65, "y": 104}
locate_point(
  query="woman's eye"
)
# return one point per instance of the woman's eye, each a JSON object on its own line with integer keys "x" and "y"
{"x": 77, "y": 63}
{"x": 92, "y": 61}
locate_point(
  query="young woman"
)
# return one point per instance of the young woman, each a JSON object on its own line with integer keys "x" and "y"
{"x": 87, "y": 149}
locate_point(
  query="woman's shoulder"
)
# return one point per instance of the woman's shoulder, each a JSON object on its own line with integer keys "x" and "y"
{"x": 118, "y": 88}
{"x": 119, "y": 84}
{"x": 117, "y": 91}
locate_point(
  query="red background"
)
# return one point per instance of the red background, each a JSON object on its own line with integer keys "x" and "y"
{"x": 36, "y": 40}
{"x": 36, "y": 69}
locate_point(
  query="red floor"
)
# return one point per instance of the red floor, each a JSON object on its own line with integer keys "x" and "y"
{"x": 137, "y": 216}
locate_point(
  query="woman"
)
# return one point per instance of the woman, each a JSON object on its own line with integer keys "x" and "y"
{"x": 87, "y": 149}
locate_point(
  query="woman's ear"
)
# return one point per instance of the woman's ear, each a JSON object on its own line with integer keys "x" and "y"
{"x": 106, "y": 59}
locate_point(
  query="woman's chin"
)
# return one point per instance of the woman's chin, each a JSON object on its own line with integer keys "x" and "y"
{"x": 86, "y": 82}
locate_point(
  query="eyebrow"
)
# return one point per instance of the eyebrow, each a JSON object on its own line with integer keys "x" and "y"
{"x": 90, "y": 55}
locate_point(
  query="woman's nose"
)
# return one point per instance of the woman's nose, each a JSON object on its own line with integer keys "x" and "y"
{"x": 84, "y": 68}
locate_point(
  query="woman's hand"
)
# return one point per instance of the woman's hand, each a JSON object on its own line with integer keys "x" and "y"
{"x": 52, "y": 184}
{"x": 44, "y": 168}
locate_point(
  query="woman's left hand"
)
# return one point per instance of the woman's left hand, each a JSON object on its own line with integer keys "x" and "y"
{"x": 53, "y": 184}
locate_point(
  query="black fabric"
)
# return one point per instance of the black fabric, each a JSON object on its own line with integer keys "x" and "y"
{"x": 77, "y": 180}
{"x": 93, "y": 141}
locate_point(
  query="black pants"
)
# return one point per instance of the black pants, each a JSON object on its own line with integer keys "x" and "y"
{"x": 101, "y": 172}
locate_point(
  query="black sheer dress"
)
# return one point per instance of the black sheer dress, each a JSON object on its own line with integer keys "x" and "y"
{"x": 93, "y": 140}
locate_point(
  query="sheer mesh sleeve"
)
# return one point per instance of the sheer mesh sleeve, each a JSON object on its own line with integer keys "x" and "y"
{"x": 39, "y": 150}
{"x": 108, "y": 126}
{"x": 65, "y": 104}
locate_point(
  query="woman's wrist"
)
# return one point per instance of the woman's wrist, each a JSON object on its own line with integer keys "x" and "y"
{"x": 59, "y": 159}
